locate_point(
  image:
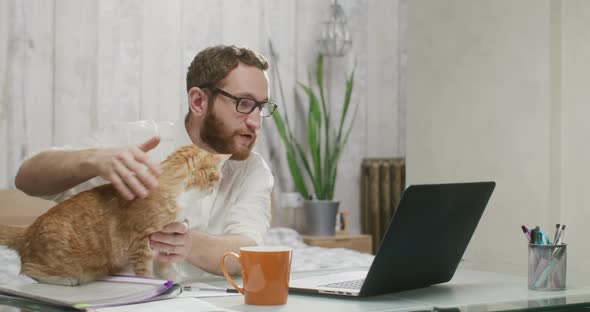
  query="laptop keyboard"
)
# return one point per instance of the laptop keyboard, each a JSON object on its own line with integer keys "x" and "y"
{"x": 354, "y": 284}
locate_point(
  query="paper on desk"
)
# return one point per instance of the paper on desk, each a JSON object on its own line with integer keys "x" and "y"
{"x": 211, "y": 291}
{"x": 176, "y": 304}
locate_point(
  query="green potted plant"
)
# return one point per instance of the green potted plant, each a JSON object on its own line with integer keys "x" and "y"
{"x": 314, "y": 166}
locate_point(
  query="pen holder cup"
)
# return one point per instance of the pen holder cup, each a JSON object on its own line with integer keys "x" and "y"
{"x": 547, "y": 266}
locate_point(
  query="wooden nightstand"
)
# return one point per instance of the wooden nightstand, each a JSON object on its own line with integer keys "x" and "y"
{"x": 359, "y": 242}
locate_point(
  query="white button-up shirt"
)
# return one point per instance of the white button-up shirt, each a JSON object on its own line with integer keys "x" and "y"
{"x": 239, "y": 205}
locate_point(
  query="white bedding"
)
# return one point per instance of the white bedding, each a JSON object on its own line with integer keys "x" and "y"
{"x": 10, "y": 267}
{"x": 308, "y": 258}
{"x": 305, "y": 257}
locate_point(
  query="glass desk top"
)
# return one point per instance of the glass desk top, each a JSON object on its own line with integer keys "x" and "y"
{"x": 471, "y": 291}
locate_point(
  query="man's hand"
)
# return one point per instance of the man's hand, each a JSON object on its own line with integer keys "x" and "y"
{"x": 132, "y": 172}
{"x": 173, "y": 243}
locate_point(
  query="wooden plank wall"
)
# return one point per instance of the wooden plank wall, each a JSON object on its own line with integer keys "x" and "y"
{"x": 69, "y": 67}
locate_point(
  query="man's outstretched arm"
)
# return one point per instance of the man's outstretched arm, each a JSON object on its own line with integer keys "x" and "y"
{"x": 129, "y": 168}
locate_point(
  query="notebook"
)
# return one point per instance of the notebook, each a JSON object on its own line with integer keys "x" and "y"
{"x": 423, "y": 245}
{"x": 111, "y": 291}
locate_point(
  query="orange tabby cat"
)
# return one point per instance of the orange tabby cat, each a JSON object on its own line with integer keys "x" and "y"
{"x": 97, "y": 233}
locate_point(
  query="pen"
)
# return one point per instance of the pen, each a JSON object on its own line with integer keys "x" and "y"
{"x": 526, "y": 232}
{"x": 227, "y": 290}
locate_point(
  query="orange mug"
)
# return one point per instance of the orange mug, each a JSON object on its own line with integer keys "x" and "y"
{"x": 265, "y": 273}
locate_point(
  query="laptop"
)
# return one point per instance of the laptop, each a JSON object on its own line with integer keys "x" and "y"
{"x": 423, "y": 245}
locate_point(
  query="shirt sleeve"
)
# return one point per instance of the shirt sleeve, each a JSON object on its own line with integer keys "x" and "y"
{"x": 249, "y": 214}
{"x": 115, "y": 135}
{"x": 89, "y": 142}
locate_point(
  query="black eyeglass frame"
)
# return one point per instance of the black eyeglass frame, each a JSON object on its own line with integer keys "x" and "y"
{"x": 259, "y": 105}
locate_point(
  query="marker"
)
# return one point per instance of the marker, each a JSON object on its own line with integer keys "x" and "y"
{"x": 556, "y": 232}
{"x": 534, "y": 236}
{"x": 226, "y": 290}
{"x": 560, "y": 235}
{"x": 544, "y": 238}
{"x": 526, "y": 232}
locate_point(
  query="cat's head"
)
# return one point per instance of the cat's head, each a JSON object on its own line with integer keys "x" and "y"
{"x": 195, "y": 167}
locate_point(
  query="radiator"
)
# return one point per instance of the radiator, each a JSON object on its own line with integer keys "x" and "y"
{"x": 382, "y": 182}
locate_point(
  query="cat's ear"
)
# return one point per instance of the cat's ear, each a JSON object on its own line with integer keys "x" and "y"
{"x": 221, "y": 158}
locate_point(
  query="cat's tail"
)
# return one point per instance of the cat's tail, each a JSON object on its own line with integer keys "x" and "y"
{"x": 12, "y": 236}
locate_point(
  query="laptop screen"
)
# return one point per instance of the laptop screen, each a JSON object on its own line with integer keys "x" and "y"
{"x": 427, "y": 236}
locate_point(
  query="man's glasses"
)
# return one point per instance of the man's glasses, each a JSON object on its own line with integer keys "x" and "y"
{"x": 248, "y": 105}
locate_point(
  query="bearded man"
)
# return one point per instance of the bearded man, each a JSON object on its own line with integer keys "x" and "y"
{"x": 228, "y": 96}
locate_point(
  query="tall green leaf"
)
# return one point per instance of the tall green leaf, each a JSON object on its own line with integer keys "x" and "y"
{"x": 280, "y": 126}
{"x": 347, "y": 97}
{"x": 326, "y": 113}
{"x": 296, "y": 173}
{"x": 320, "y": 82}
{"x": 314, "y": 125}
{"x": 337, "y": 153}
{"x": 304, "y": 161}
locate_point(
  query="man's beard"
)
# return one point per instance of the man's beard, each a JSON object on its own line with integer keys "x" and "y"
{"x": 215, "y": 134}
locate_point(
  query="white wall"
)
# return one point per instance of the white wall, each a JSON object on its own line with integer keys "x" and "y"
{"x": 497, "y": 90}
{"x": 68, "y": 67}
{"x": 575, "y": 130}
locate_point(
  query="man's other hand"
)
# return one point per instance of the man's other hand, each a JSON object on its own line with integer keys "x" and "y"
{"x": 132, "y": 172}
{"x": 173, "y": 243}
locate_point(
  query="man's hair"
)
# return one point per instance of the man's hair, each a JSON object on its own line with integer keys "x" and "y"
{"x": 214, "y": 63}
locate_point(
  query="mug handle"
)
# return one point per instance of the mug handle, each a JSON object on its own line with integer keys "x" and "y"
{"x": 224, "y": 269}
